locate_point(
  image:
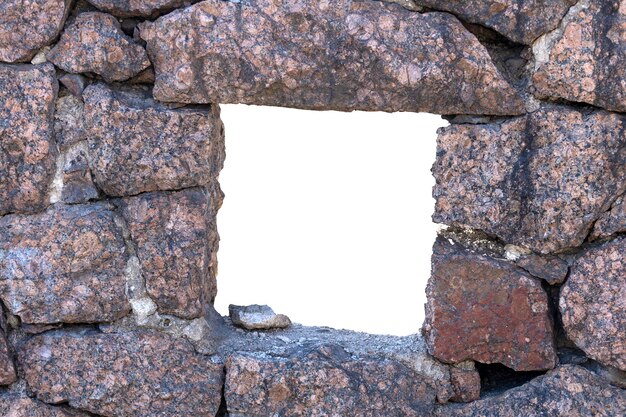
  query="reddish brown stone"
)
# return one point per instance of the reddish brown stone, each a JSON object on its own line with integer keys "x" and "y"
{"x": 465, "y": 383}
{"x": 613, "y": 221}
{"x": 7, "y": 369}
{"x": 64, "y": 265}
{"x": 486, "y": 310}
{"x": 166, "y": 149}
{"x": 15, "y": 405}
{"x": 175, "y": 246}
{"x": 27, "y": 151}
{"x": 569, "y": 391}
{"x": 139, "y": 8}
{"x": 27, "y": 26}
{"x": 585, "y": 60}
{"x": 135, "y": 374}
{"x": 75, "y": 83}
{"x": 538, "y": 181}
{"x": 324, "y": 382}
{"x": 94, "y": 42}
{"x": 340, "y": 55}
{"x": 552, "y": 269}
{"x": 593, "y": 303}
{"x": 522, "y": 21}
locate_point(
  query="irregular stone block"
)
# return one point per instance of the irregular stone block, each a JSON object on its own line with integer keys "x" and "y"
{"x": 27, "y": 150}
{"x": 486, "y": 310}
{"x": 539, "y": 181}
{"x": 78, "y": 186}
{"x": 166, "y": 149}
{"x": 340, "y": 55}
{"x": 552, "y": 269}
{"x": 69, "y": 123}
{"x": 94, "y": 42}
{"x": 569, "y": 391}
{"x": 15, "y": 405}
{"x": 585, "y": 59}
{"x": 172, "y": 232}
{"x": 257, "y": 317}
{"x": 593, "y": 303}
{"x": 324, "y": 382}
{"x": 64, "y": 265}
{"x": 613, "y": 221}
{"x": 134, "y": 374}
{"x": 521, "y": 21}
{"x": 27, "y": 26}
{"x": 139, "y": 8}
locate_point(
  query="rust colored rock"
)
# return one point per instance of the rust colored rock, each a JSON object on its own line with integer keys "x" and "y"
{"x": 521, "y": 21}
{"x": 173, "y": 235}
{"x": 166, "y": 149}
{"x": 27, "y": 149}
{"x": 613, "y": 221}
{"x": 486, "y": 310}
{"x": 593, "y": 303}
{"x": 340, "y": 55}
{"x": 327, "y": 381}
{"x": 538, "y": 181}
{"x": 135, "y": 374}
{"x": 64, "y": 265}
{"x": 585, "y": 59}
{"x": 569, "y": 391}
{"x": 27, "y": 26}
{"x": 15, "y": 405}
{"x": 465, "y": 383}
{"x": 139, "y": 8}
{"x": 95, "y": 43}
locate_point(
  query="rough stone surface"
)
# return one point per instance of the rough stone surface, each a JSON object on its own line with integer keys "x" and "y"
{"x": 95, "y": 43}
{"x": 549, "y": 268}
{"x": 569, "y": 391}
{"x": 64, "y": 265}
{"x": 139, "y": 8}
{"x": 465, "y": 382}
{"x": 27, "y": 151}
{"x": 15, "y": 405}
{"x": 326, "y": 381}
{"x": 257, "y": 317}
{"x": 613, "y": 221}
{"x": 593, "y": 303}
{"x": 167, "y": 148}
{"x": 175, "y": 246}
{"x": 521, "y": 21}
{"x": 539, "y": 181}
{"x": 7, "y": 368}
{"x": 135, "y": 374}
{"x": 27, "y": 26}
{"x": 585, "y": 60}
{"x": 486, "y": 310}
{"x": 69, "y": 124}
{"x": 341, "y": 55}
{"x": 75, "y": 83}
{"x": 78, "y": 186}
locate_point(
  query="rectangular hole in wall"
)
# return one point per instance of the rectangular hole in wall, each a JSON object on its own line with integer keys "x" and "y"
{"x": 327, "y": 216}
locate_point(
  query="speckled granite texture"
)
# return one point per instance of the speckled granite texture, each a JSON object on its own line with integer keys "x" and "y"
{"x": 111, "y": 145}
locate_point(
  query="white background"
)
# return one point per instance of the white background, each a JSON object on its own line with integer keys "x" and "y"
{"x": 327, "y": 216}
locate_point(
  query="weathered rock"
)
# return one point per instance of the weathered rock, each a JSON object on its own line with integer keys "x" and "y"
{"x": 327, "y": 381}
{"x": 465, "y": 382}
{"x": 613, "y": 221}
{"x": 173, "y": 235}
{"x": 135, "y": 374}
{"x": 569, "y": 391}
{"x": 139, "y": 8}
{"x": 64, "y": 265}
{"x": 75, "y": 83}
{"x": 521, "y": 21}
{"x": 69, "y": 125}
{"x": 538, "y": 181}
{"x": 593, "y": 303}
{"x": 341, "y": 55}
{"x": 27, "y": 26}
{"x": 7, "y": 369}
{"x": 27, "y": 150}
{"x": 95, "y": 43}
{"x": 167, "y": 148}
{"x": 486, "y": 310}
{"x": 14, "y": 405}
{"x": 585, "y": 59}
{"x": 78, "y": 186}
{"x": 257, "y": 317}
{"x": 552, "y": 269}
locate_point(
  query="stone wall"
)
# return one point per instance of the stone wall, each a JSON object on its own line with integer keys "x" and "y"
{"x": 111, "y": 145}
